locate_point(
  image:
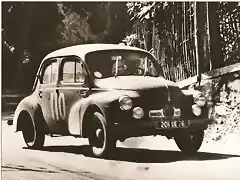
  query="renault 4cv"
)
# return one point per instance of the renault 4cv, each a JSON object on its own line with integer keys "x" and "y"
{"x": 107, "y": 92}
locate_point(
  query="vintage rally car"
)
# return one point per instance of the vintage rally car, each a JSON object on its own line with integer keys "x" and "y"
{"x": 107, "y": 92}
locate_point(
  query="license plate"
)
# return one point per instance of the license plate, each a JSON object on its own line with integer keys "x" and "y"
{"x": 168, "y": 124}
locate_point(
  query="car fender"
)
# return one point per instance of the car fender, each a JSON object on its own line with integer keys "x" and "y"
{"x": 101, "y": 100}
{"x": 29, "y": 104}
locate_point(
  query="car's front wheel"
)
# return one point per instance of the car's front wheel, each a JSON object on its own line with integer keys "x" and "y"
{"x": 100, "y": 140}
{"x": 33, "y": 133}
{"x": 189, "y": 142}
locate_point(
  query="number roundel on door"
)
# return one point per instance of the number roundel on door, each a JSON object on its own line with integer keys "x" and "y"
{"x": 58, "y": 106}
{"x": 62, "y": 106}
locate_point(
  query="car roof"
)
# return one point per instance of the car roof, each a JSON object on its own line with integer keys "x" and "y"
{"x": 83, "y": 49}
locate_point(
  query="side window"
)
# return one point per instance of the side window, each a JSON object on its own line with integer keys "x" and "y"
{"x": 80, "y": 73}
{"x": 50, "y": 73}
{"x": 47, "y": 74}
{"x": 73, "y": 72}
{"x": 54, "y": 73}
{"x": 68, "y": 71}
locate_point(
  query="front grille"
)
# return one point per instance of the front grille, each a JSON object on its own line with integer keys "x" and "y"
{"x": 157, "y": 98}
{"x": 154, "y": 98}
{"x": 160, "y": 113}
{"x": 168, "y": 110}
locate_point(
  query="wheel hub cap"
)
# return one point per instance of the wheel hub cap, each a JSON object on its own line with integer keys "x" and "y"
{"x": 99, "y": 134}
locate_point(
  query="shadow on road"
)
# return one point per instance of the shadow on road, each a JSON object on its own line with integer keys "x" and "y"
{"x": 141, "y": 155}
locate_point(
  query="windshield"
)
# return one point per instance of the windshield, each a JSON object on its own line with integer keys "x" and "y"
{"x": 112, "y": 63}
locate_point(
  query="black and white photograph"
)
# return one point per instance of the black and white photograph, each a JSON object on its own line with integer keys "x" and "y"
{"x": 120, "y": 90}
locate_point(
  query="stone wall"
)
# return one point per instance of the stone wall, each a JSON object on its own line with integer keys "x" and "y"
{"x": 223, "y": 93}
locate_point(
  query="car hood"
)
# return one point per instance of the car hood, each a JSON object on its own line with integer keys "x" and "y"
{"x": 133, "y": 83}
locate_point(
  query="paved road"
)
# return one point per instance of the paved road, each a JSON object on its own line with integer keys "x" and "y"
{"x": 154, "y": 158}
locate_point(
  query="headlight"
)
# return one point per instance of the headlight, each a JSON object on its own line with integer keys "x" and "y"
{"x": 125, "y": 103}
{"x": 138, "y": 113}
{"x": 196, "y": 110}
{"x": 200, "y": 99}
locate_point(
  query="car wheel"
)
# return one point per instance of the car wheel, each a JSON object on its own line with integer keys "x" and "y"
{"x": 100, "y": 140}
{"x": 189, "y": 142}
{"x": 33, "y": 133}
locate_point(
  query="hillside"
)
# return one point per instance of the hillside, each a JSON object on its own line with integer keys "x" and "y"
{"x": 226, "y": 112}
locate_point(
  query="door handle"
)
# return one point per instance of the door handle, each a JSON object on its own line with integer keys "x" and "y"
{"x": 57, "y": 91}
{"x": 84, "y": 93}
{"x": 40, "y": 94}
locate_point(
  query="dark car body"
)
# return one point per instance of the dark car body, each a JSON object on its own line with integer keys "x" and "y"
{"x": 65, "y": 107}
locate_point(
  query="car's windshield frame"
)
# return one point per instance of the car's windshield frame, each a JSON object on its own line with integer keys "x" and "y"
{"x": 148, "y": 55}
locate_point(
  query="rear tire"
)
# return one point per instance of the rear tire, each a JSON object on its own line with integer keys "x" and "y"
{"x": 190, "y": 142}
{"x": 100, "y": 140}
{"x": 33, "y": 132}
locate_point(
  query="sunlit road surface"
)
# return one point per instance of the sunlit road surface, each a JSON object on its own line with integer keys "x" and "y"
{"x": 157, "y": 158}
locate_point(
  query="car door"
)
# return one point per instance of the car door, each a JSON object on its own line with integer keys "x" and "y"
{"x": 47, "y": 93}
{"x": 72, "y": 85}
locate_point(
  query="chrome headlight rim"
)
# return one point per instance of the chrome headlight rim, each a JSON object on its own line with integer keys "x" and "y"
{"x": 200, "y": 99}
{"x": 138, "y": 113}
{"x": 196, "y": 109}
{"x": 125, "y": 103}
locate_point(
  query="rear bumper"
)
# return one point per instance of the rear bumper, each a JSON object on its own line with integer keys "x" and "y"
{"x": 139, "y": 128}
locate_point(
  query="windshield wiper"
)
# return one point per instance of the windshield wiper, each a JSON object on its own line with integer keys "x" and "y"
{"x": 145, "y": 66}
{"x": 116, "y": 67}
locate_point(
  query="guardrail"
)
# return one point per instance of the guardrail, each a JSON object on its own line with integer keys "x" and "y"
{"x": 210, "y": 75}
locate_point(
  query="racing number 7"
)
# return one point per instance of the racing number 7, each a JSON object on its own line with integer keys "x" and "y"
{"x": 58, "y": 106}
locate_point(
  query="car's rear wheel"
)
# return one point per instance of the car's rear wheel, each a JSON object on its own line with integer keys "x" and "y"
{"x": 189, "y": 142}
{"x": 100, "y": 140}
{"x": 33, "y": 133}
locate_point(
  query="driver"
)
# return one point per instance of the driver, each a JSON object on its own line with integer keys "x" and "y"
{"x": 133, "y": 66}
{"x": 121, "y": 68}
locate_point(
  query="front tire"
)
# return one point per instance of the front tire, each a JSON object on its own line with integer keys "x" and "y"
{"x": 189, "y": 142}
{"x": 33, "y": 133}
{"x": 100, "y": 140}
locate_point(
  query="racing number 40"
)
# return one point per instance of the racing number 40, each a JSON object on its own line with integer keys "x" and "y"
{"x": 58, "y": 106}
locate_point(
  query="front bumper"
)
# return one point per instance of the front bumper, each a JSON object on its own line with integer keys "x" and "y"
{"x": 137, "y": 128}
{"x": 200, "y": 122}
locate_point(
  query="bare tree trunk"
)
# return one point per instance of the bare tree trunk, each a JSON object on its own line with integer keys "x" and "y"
{"x": 141, "y": 34}
{"x": 153, "y": 38}
{"x": 185, "y": 41}
{"x": 172, "y": 48}
{"x": 202, "y": 36}
{"x": 216, "y": 46}
{"x": 208, "y": 38}
{"x": 22, "y": 45}
{"x": 196, "y": 42}
{"x": 191, "y": 42}
{"x": 145, "y": 34}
